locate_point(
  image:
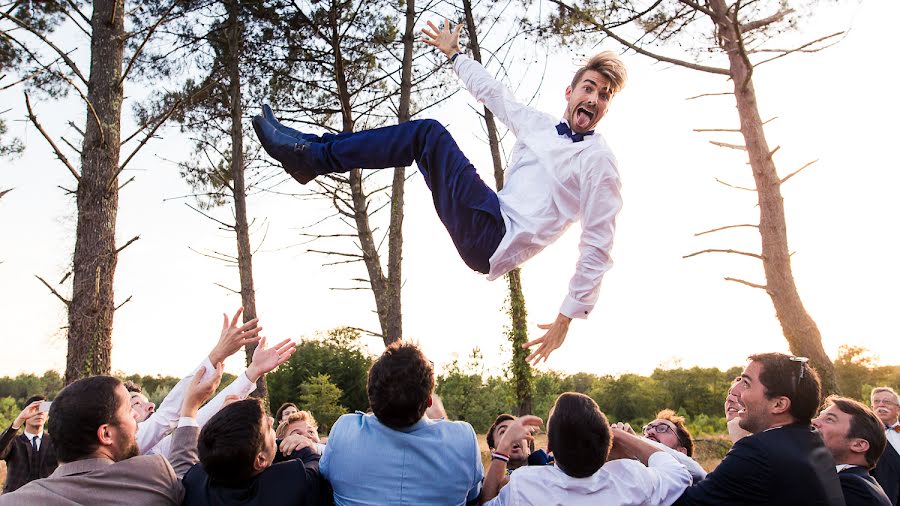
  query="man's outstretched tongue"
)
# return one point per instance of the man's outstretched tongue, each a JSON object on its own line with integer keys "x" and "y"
{"x": 582, "y": 119}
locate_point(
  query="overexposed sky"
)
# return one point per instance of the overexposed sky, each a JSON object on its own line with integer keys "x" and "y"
{"x": 839, "y": 106}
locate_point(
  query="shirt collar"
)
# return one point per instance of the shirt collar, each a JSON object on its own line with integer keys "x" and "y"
{"x": 31, "y": 436}
{"x": 82, "y": 466}
{"x": 841, "y": 467}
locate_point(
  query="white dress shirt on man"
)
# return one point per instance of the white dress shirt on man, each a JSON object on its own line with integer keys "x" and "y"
{"x": 551, "y": 182}
{"x": 619, "y": 482}
{"x": 893, "y": 436}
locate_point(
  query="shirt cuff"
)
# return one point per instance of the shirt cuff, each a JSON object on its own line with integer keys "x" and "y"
{"x": 574, "y": 309}
{"x": 188, "y": 421}
{"x": 206, "y": 364}
{"x": 244, "y": 385}
{"x": 661, "y": 458}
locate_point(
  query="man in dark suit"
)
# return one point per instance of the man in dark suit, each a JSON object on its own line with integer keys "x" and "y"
{"x": 236, "y": 449}
{"x": 29, "y": 456}
{"x": 886, "y": 405}
{"x": 782, "y": 462}
{"x": 855, "y": 438}
{"x": 94, "y": 432}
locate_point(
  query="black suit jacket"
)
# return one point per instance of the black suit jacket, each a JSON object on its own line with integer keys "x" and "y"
{"x": 17, "y": 452}
{"x": 860, "y": 489}
{"x": 887, "y": 473}
{"x": 789, "y": 466}
{"x": 292, "y": 482}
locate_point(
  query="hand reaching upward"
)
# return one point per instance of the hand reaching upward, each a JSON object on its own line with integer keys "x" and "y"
{"x": 234, "y": 337}
{"x": 445, "y": 40}
{"x": 265, "y": 360}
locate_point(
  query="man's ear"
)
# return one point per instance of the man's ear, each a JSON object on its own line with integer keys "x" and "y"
{"x": 780, "y": 405}
{"x": 429, "y": 402}
{"x": 104, "y": 436}
{"x": 858, "y": 445}
{"x": 568, "y": 92}
{"x": 260, "y": 463}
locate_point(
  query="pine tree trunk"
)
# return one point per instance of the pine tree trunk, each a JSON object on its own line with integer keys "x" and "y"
{"x": 94, "y": 260}
{"x": 242, "y": 231}
{"x": 799, "y": 329}
{"x": 518, "y": 332}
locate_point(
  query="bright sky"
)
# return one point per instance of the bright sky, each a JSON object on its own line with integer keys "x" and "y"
{"x": 655, "y": 308}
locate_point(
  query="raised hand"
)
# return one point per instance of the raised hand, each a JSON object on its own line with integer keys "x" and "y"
{"x": 31, "y": 411}
{"x": 234, "y": 337}
{"x": 445, "y": 40}
{"x": 523, "y": 427}
{"x": 294, "y": 442}
{"x": 202, "y": 387}
{"x": 265, "y": 360}
{"x": 553, "y": 339}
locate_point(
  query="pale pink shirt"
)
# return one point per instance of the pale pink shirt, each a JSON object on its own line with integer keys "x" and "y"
{"x": 551, "y": 182}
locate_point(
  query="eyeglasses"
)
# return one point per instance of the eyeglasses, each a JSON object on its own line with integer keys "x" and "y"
{"x": 660, "y": 428}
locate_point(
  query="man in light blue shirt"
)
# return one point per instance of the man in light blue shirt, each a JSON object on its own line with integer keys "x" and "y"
{"x": 398, "y": 456}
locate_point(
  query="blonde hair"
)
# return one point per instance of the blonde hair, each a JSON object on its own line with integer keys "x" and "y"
{"x": 300, "y": 416}
{"x": 608, "y": 65}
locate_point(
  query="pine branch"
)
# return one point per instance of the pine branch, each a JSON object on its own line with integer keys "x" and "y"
{"x": 754, "y": 285}
{"x": 54, "y": 292}
{"x": 725, "y": 228}
{"x": 53, "y": 145}
{"x": 792, "y": 174}
{"x": 735, "y": 252}
{"x": 63, "y": 55}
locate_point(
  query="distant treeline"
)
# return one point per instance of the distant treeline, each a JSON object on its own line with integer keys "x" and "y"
{"x": 327, "y": 376}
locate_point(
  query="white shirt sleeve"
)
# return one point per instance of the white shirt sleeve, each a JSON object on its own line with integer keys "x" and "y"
{"x": 494, "y": 95}
{"x": 600, "y": 203}
{"x": 693, "y": 467}
{"x": 668, "y": 479}
{"x": 152, "y": 430}
{"x": 241, "y": 386}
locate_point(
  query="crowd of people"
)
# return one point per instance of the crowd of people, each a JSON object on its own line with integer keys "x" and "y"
{"x": 108, "y": 444}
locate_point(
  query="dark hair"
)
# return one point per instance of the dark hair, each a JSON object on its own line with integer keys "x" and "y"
{"x": 230, "y": 441}
{"x": 578, "y": 434}
{"x": 133, "y": 388}
{"x": 78, "y": 411}
{"x": 863, "y": 425}
{"x": 781, "y": 377}
{"x": 34, "y": 398}
{"x": 400, "y": 383}
{"x": 281, "y": 409}
{"x": 681, "y": 432}
{"x": 490, "y": 433}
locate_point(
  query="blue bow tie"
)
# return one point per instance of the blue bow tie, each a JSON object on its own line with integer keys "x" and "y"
{"x": 563, "y": 129}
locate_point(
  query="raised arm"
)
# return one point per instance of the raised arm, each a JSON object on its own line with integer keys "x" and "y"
{"x": 478, "y": 81}
{"x": 232, "y": 338}
{"x": 184, "y": 440}
{"x": 12, "y": 431}
{"x": 521, "y": 428}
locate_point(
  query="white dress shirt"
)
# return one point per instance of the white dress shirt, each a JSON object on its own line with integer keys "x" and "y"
{"x": 241, "y": 387}
{"x": 31, "y": 437}
{"x": 151, "y": 430}
{"x": 551, "y": 182}
{"x": 893, "y": 436}
{"x": 621, "y": 482}
{"x": 693, "y": 467}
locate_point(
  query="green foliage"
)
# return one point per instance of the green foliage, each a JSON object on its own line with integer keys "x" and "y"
{"x": 9, "y": 410}
{"x": 858, "y": 372}
{"x": 338, "y": 354}
{"x": 468, "y": 396}
{"x": 24, "y": 386}
{"x": 321, "y": 397}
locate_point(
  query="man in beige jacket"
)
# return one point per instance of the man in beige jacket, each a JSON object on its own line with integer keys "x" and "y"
{"x": 94, "y": 430}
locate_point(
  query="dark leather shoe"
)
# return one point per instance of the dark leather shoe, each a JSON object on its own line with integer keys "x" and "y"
{"x": 292, "y": 153}
{"x": 270, "y": 117}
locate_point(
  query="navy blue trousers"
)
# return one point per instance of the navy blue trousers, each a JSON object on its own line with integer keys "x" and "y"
{"x": 467, "y": 207}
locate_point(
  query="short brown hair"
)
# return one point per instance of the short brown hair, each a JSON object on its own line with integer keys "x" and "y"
{"x": 863, "y": 425}
{"x": 400, "y": 383}
{"x": 784, "y": 376}
{"x": 608, "y": 65}
{"x": 230, "y": 441}
{"x": 681, "y": 432}
{"x": 490, "y": 433}
{"x": 578, "y": 435}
